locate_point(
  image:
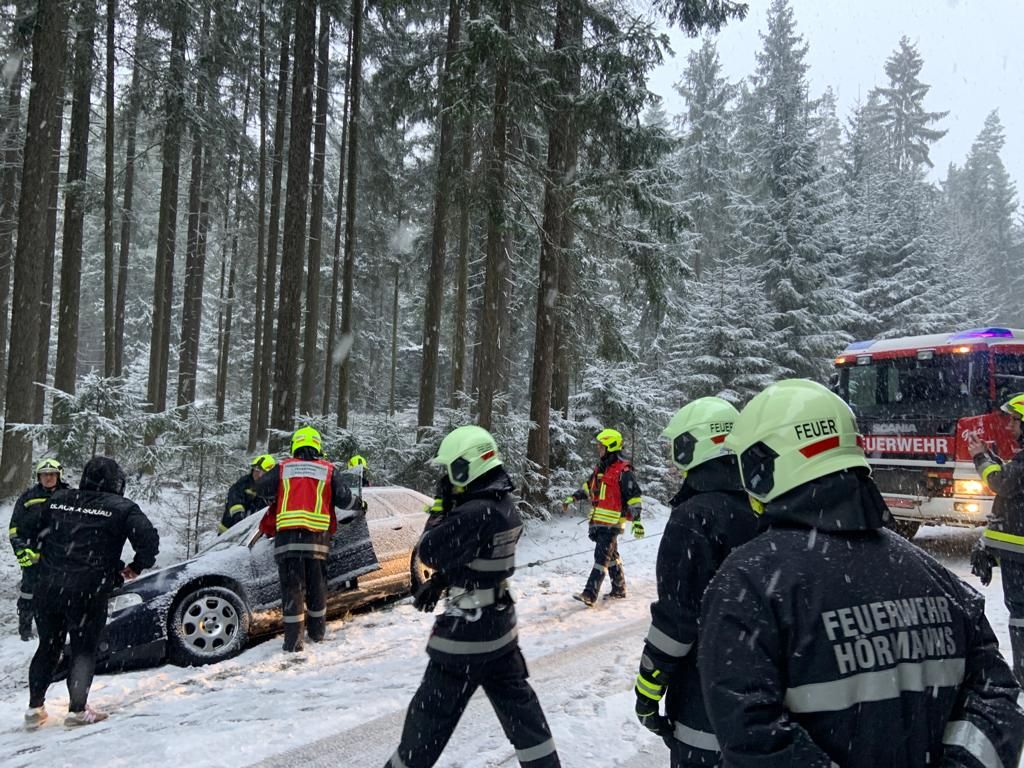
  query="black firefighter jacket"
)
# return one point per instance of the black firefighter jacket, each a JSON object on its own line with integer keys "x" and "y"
{"x": 829, "y": 641}
{"x": 26, "y": 513}
{"x": 83, "y": 533}
{"x": 1004, "y": 535}
{"x": 474, "y": 548}
{"x": 710, "y": 517}
{"x": 242, "y": 501}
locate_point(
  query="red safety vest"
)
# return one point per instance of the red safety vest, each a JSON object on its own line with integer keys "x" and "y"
{"x": 304, "y": 496}
{"x": 606, "y": 494}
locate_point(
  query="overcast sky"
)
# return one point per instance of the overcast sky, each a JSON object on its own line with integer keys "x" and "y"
{"x": 973, "y": 52}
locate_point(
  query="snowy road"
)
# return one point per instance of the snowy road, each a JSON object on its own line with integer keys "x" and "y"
{"x": 343, "y": 704}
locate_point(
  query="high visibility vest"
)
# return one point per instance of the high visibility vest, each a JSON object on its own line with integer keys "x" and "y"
{"x": 304, "y": 495}
{"x": 606, "y": 494}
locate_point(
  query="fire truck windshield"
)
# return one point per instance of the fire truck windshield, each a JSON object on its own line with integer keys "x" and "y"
{"x": 908, "y": 388}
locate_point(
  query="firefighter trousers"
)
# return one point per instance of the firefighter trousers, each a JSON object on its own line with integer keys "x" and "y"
{"x": 1013, "y": 596}
{"x": 442, "y": 697}
{"x": 692, "y": 743}
{"x": 61, "y": 614}
{"x": 303, "y": 599}
{"x": 28, "y": 584}
{"x": 606, "y": 560}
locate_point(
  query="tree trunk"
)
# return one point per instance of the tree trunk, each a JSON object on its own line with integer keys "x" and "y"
{"x": 310, "y": 371}
{"x": 289, "y": 325}
{"x": 557, "y": 200}
{"x": 195, "y": 251}
{"x": 489, "y": 349}
{"x": 348, "y": 277}
{"x": 329, "y": 363}
{"x": 394, "y": 345}
{"x": 49, "y": 49}
{"x": 434, "y": 298}
{"x": 11, "y": 140}
{"x": 131, "y": 124}
{"x": 261, "y": 243}
{"x": 267, "y": 361}
{"x": 108, "y": 199}
{"x": 163, "y": 282}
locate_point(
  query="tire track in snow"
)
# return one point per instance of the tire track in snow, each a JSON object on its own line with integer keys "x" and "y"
{"x": 371, "y": 743}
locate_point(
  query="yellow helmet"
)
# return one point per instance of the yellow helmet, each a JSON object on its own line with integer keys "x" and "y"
{"x": 47, "y": 466}
{"x": 698, "y": 430}
{"x": 1014, "y": 406}
{"x": 466, "y": 453}
{"x": 264, "y": 462}
{"x": 356, "y": 461}
{"x": 306, "y": 437}
{"x": 610, "y": 439}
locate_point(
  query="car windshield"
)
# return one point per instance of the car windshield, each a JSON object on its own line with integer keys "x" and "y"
{"x": 237, "y": 534}
{"x": 909, "y": 388}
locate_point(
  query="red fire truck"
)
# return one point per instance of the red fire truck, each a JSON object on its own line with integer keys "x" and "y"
{"x": 917, "y": 399}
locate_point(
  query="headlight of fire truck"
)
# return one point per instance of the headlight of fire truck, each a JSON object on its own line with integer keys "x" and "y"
{"x": 970, "y": 488}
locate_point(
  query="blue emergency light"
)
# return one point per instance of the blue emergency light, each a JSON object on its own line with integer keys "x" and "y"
{"x": 983, "y": 333}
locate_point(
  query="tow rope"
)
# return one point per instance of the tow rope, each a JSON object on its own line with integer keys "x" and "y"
{"x": 583, "y": 552}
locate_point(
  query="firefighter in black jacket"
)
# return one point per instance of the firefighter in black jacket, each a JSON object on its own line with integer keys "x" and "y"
{"x": 828, "y": 641}
{"x": 83, "y": 533}
{"x": 615, "y": 500}
{"x": 473, "y": 643}
{"x": 1003, "y": 541}
{"x": 49, "y": 478}
{"x": 242, "y": 499}
{"x": 303, "y": 492}
{"x": 710, "y": 517}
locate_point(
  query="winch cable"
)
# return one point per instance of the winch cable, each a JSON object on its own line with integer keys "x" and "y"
{"x": 583, "y": 552}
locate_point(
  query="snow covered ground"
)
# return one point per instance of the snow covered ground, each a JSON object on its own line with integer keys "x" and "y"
{"x": 343, "y": 702}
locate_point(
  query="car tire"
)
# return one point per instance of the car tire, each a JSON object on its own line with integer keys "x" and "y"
{"x": 906, "y": 528}
{"x": 207, "y": 625}
{"x": 418, "y": 572}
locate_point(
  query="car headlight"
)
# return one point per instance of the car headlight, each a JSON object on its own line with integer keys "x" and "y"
{"x": 120, "y": 602}
{"x": 970, "y": 488}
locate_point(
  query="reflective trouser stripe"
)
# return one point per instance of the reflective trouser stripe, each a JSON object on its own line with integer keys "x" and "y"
{"x": 294, "y": 619}
{"x": 968, "y": 736}
{"x": 317, "y": 614}
{"x": 695, "y": 738}
{"x": 837, "y": 695}
{"x": 489, "y": 564}
{"x": 24, "y": 595}
{"x": 536, "y": 753}
{"x": 667, "y": 644}
{"x": 1016, "y": 622}
{"x": 470, "y": 647}
{"x": 600, "y": 567}
{"x": 317, "y": 548}
{"x": 396, "y": 761}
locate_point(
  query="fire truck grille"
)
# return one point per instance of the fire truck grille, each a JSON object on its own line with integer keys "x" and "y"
{"x": 912, "y": 481}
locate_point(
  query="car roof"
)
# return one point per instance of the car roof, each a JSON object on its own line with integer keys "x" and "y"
{"x": 397, "y": 500}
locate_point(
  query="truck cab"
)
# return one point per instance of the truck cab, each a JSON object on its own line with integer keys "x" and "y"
{"x": 917, "y": 400}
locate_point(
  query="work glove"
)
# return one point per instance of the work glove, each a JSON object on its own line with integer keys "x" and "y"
{"x": 27, "y": 557}
{"x": 650, "y": 718}
{"x": 567, "y": 502}
{"x": 637, "y": 529}
{"x": 982, "y": 563}
{"x": 429, "y": 593}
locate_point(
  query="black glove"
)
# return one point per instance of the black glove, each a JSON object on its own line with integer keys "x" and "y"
{"x": 982, "y": 563}
{"x": 650, "y": 718}
{"x": 430, "y": 592}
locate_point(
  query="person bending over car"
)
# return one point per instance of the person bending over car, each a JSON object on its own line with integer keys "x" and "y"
{"x": 82, "y": 532}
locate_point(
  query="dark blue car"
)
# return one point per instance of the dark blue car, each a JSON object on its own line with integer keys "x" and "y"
{"x": 206, "y": 609}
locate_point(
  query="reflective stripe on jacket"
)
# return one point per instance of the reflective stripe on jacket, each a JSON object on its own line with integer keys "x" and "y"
{"x": 304, "y": 499}
{"x": 606, "y": 494}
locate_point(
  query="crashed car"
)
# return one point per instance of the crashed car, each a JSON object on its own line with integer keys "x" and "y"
{"x": 207, "y": 609}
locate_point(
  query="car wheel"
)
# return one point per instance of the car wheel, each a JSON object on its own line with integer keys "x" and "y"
{"x": 906, "y": 528}
{"x": 209, "y": 624}
{"x": 419, "y": 572}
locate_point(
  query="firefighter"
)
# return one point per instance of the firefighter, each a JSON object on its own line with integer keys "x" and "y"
{"x": 710, "y": 517}
{"x": 302, "y": 493}
{"x": 615, "y": 500}
{"x": 1003, "y": 541}
{"x": 49, "y": 478}
{"x": 473, "y": 644}
{"x": 828, "y": 640}
{"x": 358, "y": 464}
{"x": 242, "y": 499}
{"x": 83, "y": 532}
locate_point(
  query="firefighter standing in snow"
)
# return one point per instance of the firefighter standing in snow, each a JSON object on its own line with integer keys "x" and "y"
{"x": 83, "y": 533}
{"x": 303, "y": 492}
{"x": 49, "y": 478}
{"x": 830, "y": 641}
{"x": 1003, "y": 541}
{"x": 710, "y": 517}
{"x": 615, "y": 500}
{"x": 471, "y": 542}
{"x": 242, "y": 499}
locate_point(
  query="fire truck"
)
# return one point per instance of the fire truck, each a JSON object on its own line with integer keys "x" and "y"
{"x": 917, "y": 401}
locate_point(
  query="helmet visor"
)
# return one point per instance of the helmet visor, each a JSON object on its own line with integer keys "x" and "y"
{"x": 459, "y": 470}
{"x": 757, "y": 465}
{"x": 682, "y": 448}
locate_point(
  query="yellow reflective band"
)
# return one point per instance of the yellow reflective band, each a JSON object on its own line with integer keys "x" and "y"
{"x": 645, "y": 687}
{"x": 756, "y": 505}
{"x": 610, "y": 516}
{"x": 32, "y": 502}
{"x": 604, "y": 491}
{"x": 221, "y": 528}
{"x": 303, "y": 518}
{"x": 1009, "y": 538}
{"x": 633, "y": 501}
{"x": 989, "y": 469}
{"x": 12, "y": 532}
{"x": 437, "y": 506}
{"x": 237, "y": 508}
{"x": 286, "y": 483}
{"x": 319, "y": 508}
